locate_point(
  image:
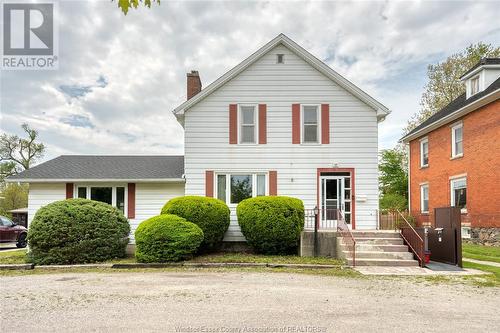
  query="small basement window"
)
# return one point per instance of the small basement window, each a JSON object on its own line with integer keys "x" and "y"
{"x": 280, "y": 58}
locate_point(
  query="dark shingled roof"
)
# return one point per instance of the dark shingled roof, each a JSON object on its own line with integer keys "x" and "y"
{"x": 455, "y": 105}
{"x": 106, "y": 167}
{"x": 482, "y": 62}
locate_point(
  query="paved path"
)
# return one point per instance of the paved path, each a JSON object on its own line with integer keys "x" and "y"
{"x": 198, "y": 301}
{"x": 482, "y": 262}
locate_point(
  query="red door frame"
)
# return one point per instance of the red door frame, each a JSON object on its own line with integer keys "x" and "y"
{"x": 353, "y": 189}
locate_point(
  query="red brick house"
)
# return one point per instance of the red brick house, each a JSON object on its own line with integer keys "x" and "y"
{"x": 454, "y": 156}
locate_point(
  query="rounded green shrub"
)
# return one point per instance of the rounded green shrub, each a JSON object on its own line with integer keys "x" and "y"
{"x": 211, "y": 215}
{"x": 166, "y": 238}
{"x": 271, "y": 225}
{"x": 76, "y": 231}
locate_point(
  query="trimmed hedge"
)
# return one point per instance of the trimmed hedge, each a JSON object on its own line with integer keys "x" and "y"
{"x": 166, "y": 238}
{"x": 210, "y": 214}
{"x": 271, "y": 225}
{"x": 76, "y": 231}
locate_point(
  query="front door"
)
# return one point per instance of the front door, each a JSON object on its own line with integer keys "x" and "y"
{"x": 335, "y": 197}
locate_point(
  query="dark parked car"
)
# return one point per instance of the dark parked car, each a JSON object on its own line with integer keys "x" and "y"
{"x": 11, "y": 232}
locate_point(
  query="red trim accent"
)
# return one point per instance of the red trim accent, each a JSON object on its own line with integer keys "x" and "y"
{"x": 273, "y": 182}
{"x": 325, "y": 123}
{"x": 209, "y": 184}
{"x": 295, "y": 123}
{"x": 131, "y": 201}
{"x": 233, "y": 124}
{"x": 262, "y": 123}
{"x": 353, "y": 189}
{"x": 69, "y": 190}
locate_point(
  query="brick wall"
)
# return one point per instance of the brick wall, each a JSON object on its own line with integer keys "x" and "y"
{"x": 480, "y": 162}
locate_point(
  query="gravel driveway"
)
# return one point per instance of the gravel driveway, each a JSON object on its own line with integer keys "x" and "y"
{"x": 201, "y": 301}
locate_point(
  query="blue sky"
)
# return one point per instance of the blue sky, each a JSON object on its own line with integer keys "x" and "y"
{"x": 120, "y": 76}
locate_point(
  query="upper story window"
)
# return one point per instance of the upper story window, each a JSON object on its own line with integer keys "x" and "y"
{"x": 248, "y": 123}
{"x": 424, "y": 152}
{"x": 280, "y": 58}
{"x": 310, "y": 123}
{"x": 474, "y": 85}
{"x": 424, "y": 198}
{"x": 459, "y": 193}
{"x": 457, "y": 147}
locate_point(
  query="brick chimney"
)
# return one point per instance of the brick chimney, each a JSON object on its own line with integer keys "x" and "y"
{"x": 193, "y": 84}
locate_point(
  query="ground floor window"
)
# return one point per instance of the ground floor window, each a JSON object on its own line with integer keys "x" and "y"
{"x": 459, "y": 193}
{"x": 234, "y": 188}
{"x": 113, "y": 195}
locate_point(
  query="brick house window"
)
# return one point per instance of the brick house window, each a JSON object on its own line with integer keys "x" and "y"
{"x": 459, "y": 193}
{"x": 424, "y": 198}
{"x": 424, "y": 153}
{"x": 457, "y": 148}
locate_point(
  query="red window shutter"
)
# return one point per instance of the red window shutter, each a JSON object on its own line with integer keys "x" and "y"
{"x": 262, "y": 123}
{"x": 233, "y": 124}
{"x": 296, "y": 123}
{"x": 325, "y": 123}
{"x": 131, "y": 201}
{"x": 209, "y": 184}
{"x": 69, "y": 190}
{"x": 273, "y": 182}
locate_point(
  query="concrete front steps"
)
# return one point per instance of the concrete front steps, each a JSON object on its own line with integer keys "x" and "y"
{"x": 379, "y": 248}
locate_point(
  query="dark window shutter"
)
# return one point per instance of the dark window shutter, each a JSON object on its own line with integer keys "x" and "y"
{"x": 273, "y": 182}
{"x": 209, "y": 183}
{"x": 262, "y": 123}
{"x": 69, "y": 190}
{"x": 325, "y": 123}
{"x": 131, "y": 201}
{"x": 233, "y": 124}
{"x": 296, "y": 123}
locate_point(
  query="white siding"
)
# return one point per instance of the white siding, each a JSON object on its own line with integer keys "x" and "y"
{"x": 40, "y": 195}
{"x": 150, "y": 198}
{"x": 353, "y": 134}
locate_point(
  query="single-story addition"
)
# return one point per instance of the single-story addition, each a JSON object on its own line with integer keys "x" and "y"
{"x": 139, "y": 186}
{"x": 281, "y": 122}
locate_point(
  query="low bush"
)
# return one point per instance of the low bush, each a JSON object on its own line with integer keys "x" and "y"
{"x": 166, "y": 238}
{"x": 211, "y": 215}
{"x": 76, "y": 231}
{"x": 271, "y": 225}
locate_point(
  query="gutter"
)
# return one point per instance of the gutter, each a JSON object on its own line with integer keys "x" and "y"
{"x": 76, "y": 180}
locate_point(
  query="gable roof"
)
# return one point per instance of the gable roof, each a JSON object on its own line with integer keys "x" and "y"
{"x": 457, "y": 108}
{"x": 382, "y": 110}
{"x": 102, "y": 168}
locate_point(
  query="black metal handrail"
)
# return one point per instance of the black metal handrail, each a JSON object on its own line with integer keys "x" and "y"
{"x": 347, "y": 237}
{"x": 412, "y": 239}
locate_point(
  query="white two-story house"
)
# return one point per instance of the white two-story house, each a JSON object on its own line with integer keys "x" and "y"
{"x": 280, "y": 123}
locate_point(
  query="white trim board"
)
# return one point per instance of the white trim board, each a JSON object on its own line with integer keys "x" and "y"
{"x": 382, "y": 110}
{"x": 159, "y": 180}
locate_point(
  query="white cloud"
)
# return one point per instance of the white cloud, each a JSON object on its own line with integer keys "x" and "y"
{"x": 383, "y": 47}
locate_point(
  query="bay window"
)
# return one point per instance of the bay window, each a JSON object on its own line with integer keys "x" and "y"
{"x": 234, "y": 188}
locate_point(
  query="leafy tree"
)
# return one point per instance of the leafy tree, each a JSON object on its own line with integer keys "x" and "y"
{"x": 124, "y": 5}
{"x": 444, "y": 83}
{"x": 18, "y": 154}
{"x": 393, "y": 179}
{"x": 13, "y": 196}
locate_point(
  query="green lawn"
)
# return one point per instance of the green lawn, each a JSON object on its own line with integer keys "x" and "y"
{"x": 492, "y": 280}
{"x": 19, "y": 257}
{"x": 481, "y": 252}
{"x": 13, "y": 257}
{"x": 259, "y": 258}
